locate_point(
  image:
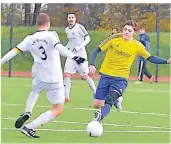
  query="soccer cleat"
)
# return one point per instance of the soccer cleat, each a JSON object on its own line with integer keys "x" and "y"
{"x": 29, "y": 132}
{"x": 152, "y": 79}
{"x": 118, "y": 103}
{"x": 138, "y": 82}
{"x": 67, "y": 100}
{"x": 97, "y": 115}
{"x": 22, "y": 119}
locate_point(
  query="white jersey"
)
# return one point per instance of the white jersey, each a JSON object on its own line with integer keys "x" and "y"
{"x": 76, "y": 35}
{"x": 47, "y": 65}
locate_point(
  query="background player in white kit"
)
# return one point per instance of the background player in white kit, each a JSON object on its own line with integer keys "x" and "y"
{"x": 78, "y": 38}
{"x": 45, "y": 48}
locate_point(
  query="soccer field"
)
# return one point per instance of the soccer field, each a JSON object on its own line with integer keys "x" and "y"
{"x": 145, "y": 117}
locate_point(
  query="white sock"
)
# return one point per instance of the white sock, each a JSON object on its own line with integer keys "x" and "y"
{"x": 67, "y": 86}
{"x": 31, "y": 101}
{"x": 42, "y": 119}
{"x": 91, "y": 84}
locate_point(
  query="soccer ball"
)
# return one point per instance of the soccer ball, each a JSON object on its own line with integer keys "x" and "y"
{"x": 94, "y": 129}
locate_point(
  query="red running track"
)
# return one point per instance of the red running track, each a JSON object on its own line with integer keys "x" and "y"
{"x": 97, "y": 76}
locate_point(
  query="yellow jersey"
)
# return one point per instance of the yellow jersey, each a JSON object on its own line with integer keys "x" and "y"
{"x": 120, "y": 55}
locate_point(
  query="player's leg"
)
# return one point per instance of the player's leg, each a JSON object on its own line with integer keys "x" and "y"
{"x": 68, "y": 71}
{"x": 118, "y": 103}
{"x": 83, "y": 70}
{"x": 90, "y": 83}
{"x": 148, "y": 74}
{"x": 67, "y": 86}
{"x": 140, "y": 71}
{"x": 30, "y": 103}
{"x": 105, "y": 110}
{"x": 116, "y": 90}
{"x": 101, "y": 95}
{"x": 57, "y": 98}
{"x": 44, "y": 118}
{"x": 140, "y": 74}
{"x": 119, "y": 87}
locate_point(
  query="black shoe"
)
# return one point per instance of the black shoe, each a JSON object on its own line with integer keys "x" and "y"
{"x": 21, "y": 120}
{"x": 29, "y": 132}
{"x": 97, "y": 115}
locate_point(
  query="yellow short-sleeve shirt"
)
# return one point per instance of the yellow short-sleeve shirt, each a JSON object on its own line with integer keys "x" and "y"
{"x": 120, "y": 55}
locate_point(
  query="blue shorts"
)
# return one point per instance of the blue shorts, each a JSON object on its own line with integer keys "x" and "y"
{"x": 110, "y": 83}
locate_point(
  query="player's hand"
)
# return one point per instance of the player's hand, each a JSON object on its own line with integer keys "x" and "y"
{"x": 79, "y": 60}
{"x": 92, "y": 69}
{"x": 169, "y": 61}
{"x": 77, "y": 48}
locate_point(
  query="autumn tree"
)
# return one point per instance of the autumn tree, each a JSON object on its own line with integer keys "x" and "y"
{"x": 92, "y": 14}
{"x": 145, "y": 14}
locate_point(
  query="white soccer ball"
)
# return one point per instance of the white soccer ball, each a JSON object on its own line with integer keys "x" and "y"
{"x": 94, "y": 129}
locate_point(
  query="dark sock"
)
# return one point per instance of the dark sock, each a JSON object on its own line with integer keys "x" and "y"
{"x": 105, "y": 110}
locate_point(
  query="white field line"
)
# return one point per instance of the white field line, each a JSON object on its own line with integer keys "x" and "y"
{"x": 131, "y": 90}
{"x": 105, "y": 124}
{"x": 89, "y": 109}
{"x": 80, "y": 130}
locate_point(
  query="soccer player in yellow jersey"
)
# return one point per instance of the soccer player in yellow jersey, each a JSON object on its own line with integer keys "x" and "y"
{"x": 115, "y": 69}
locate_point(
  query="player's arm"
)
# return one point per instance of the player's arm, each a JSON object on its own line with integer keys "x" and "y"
{"x": 92, "y": 68}
{"x": 12, "y": 53}
{"x": 21, "y": 47}
{"x": 102, "y": 47}
{"x": 86, "y": 36}
{"x": 65, "y": 52}
{"x": 83, "y": 44}
{"x": 158, "y": 60}
{"x": 94, "y": 55}
{"x": 59, "y": 47}
{"x": 86, "y": 39}
{"x": 62, "y": 50}
{"x": 153, "y": 59}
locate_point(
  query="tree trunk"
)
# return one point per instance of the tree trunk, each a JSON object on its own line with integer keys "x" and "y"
{"x": 66, "y": 7}
{"x": 27, "y": 14}
{"x": 128, "y": 11}
{"x": 36, "y": 12}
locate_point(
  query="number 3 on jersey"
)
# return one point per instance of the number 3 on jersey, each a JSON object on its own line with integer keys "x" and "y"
{"x": 44, "y": 56}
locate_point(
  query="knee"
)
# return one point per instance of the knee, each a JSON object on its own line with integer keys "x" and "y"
{"x": 84, "y": 77}
{"x": 34, "y": 93}
{"x": 113, "y": 96}
{"x": 57, "y": 109}
{"x": 98, "y": 104}
{"x": 67, "y": 75}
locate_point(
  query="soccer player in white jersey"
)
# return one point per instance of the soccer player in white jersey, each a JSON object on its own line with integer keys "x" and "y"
{"x": 78, "y": 38}
{"x": 45, "y": 48}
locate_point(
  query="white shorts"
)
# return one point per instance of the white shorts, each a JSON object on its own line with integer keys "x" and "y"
{"x": 72, "y": 67}
{"x": 55, "y": 91}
